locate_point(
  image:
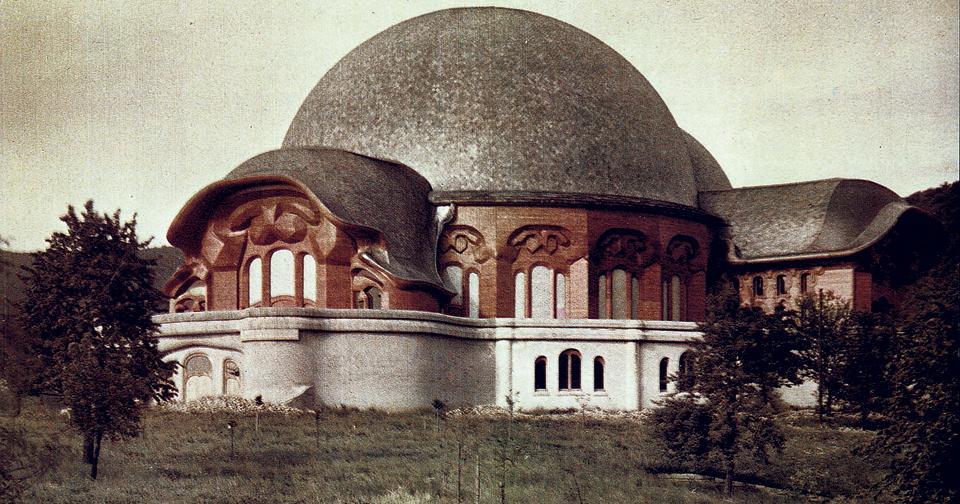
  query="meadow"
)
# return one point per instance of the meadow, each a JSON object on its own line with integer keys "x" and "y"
{"x": 349, "y": 456}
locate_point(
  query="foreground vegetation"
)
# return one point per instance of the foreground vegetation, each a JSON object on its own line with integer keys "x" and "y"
{"x": 369, "y": 456}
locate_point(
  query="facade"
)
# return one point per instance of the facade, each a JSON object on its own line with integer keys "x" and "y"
{"x": 485, "y": 203}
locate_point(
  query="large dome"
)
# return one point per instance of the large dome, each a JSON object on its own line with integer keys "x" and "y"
{"x": 490, "y": 99}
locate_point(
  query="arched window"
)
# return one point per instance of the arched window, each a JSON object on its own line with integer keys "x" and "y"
{"x": 541, "y": 292}
{"x": 520, "y": 295}
{"x": 781, "y": 285}
{"x": 540, "y": 373}
{"x": 602, "y": 297}
{"x": 757, "y": 286}
{"x": 197, "y": 380}
{"x": 635, "y": 299}
{"x": 685, "y": 372}
{"x": 231, "y": 378}
{"x": 561, "y": 296}
{"x": 254, "y": 282}
{"x": 374, "y": 298}
{"x": 473, "y": 294}
{"x": 618, "y": 291}
{"x": 309, "y": 278}
{"x": 674, "y": 300}
{"x": 453, "y": 279}
{"x": 569, "y": 370}
{"x": 281, "y": 274}
{"x": 804, "y": 283}
{"x": 598, "y": 373}
{"x": 664, "y": 377}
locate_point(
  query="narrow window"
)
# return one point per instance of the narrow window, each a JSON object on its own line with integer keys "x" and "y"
{"x": 540, "y": 373}
{"x": 281, "y": 274}
{"x": 665, "y": 301}
{"x": 453, "y": 279}
{"x": 685, "y": 371}
{"x": 359, "y": 300}
{"x": 374, "y": 298}
{"x": 231, "y": 378}
{"x": 309, "y": 278}
{"x": 541, "y": 292}
{"x": 569, "y": 370}
{"x": 781, "y": 284}
{"x": 635, "y": 299}
{"x": 255, "y": 282}
{"x": 520, "y": 295}
{"x": 473, "y": 296}
{"x": 664, "y": 378}
{"x": 757, "y": 286}
{"x": 602, "y": 297}
{"x": 598, "y": 373}
{"x": 676, "y": 298}
{"x": 561, "y": 296}
{"x": 618, "y": 293}
{"x": 804, "y": 282}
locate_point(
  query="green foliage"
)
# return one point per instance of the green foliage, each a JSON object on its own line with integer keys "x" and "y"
{"x": 866, "y": 350}
{"x": 743, "y": 356}
{"x": 89, "y": 301}
{"x": 822, "y": 321}
{"x": 21, "y": 459}
{"x": 923, "y": 435}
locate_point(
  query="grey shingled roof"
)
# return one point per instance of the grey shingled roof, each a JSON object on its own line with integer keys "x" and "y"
{"x": 821, "y": 218}
{"x": 706, "y": 170}
{"x": 377, "y": 195}
{"x": 491, "y": 99}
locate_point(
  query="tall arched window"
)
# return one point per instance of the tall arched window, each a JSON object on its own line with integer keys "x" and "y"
{"x": 569, "y": 373}
{"x": 674, "y": 306}
{"x": 453, "y": 279}
{"x": 804, "y": 283}
{"x": 254, "y": 282}
{"x": 540, "y": 373}
{"x": 635, "y": 299}
{"x": 560, "y": 290}
{"x": 541, "y": 292}
{"x": 520, "y": 295}
{"x": 473, "y": 294}
{"x": 757, "y": 286}
{"x": 309, "y": 278}
{"x": 664, "y": 376}
{"x": 781, "y": 284}
{"x": 197, "y": 379}
{"x": 598, "y": 366}
{"x": 602, "y": 296}
{"x": 281, "y": 274}
{"x": 618, "y": 288}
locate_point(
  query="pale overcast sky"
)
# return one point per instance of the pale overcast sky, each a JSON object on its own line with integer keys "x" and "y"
{"x": 138, "y": 105}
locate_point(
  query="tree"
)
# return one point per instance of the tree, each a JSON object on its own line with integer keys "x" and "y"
{"x": 742, "y": 357}
{"x": 88, "y": 306}
{"x": 922, "y": 439}
{"x": 866, "y": 350}
{"x": 822, "y": 321}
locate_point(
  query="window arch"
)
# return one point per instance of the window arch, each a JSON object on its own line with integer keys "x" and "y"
{"x": 309, "y": 278}
{"x": 255, "y": 282}
{"x": 466, "y": 286}
{"x": 757, "y": 286}
{"x": 569, "y": 372}
{"x": 197, "y": 379}
{"x": 540, "y": 373}
{"x": 282, "y": 277}
{"x": 598, "y": 368}
{"x": 781, "y": 284}
{"x": 374, "y": 298}
{"x": 664, "y": 376}
{"x": 231, "y": 378}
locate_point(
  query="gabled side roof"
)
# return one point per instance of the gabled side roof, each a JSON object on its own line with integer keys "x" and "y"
{"x": 806, "y": 220}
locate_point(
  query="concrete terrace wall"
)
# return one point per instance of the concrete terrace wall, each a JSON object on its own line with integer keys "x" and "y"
{"x": 396, "y": 360}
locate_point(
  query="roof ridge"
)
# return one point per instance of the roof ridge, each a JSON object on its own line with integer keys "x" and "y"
{"x": 788, "y": 184}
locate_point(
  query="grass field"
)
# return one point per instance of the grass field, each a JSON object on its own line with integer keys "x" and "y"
{"x": 369, "y": 456}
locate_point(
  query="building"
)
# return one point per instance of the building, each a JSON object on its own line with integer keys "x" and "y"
{"x": 485, "y": 203}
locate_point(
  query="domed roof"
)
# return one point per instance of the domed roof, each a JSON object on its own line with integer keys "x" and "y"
{"x": 706, "y": 169}
{"x": 491, "y": 99}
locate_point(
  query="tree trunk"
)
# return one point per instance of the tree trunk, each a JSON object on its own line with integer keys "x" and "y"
{"x": 96, "y": 456}
{"x": 88, "y": 448}
{"x": 728, "y": 479}
{"x": 820, "y": 400}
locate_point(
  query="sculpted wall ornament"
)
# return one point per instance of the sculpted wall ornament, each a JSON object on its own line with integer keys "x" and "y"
{"x": 681, "y": 254}
{"x": 624, "y": 247}
{"x": 539, "y": 239}
{"x": 460, "y": 238}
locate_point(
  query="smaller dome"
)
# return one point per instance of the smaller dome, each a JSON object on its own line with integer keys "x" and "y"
{"x": 706, "y": 170}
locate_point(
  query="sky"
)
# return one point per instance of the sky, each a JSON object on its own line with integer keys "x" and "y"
{"x": 139, "y": 105}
